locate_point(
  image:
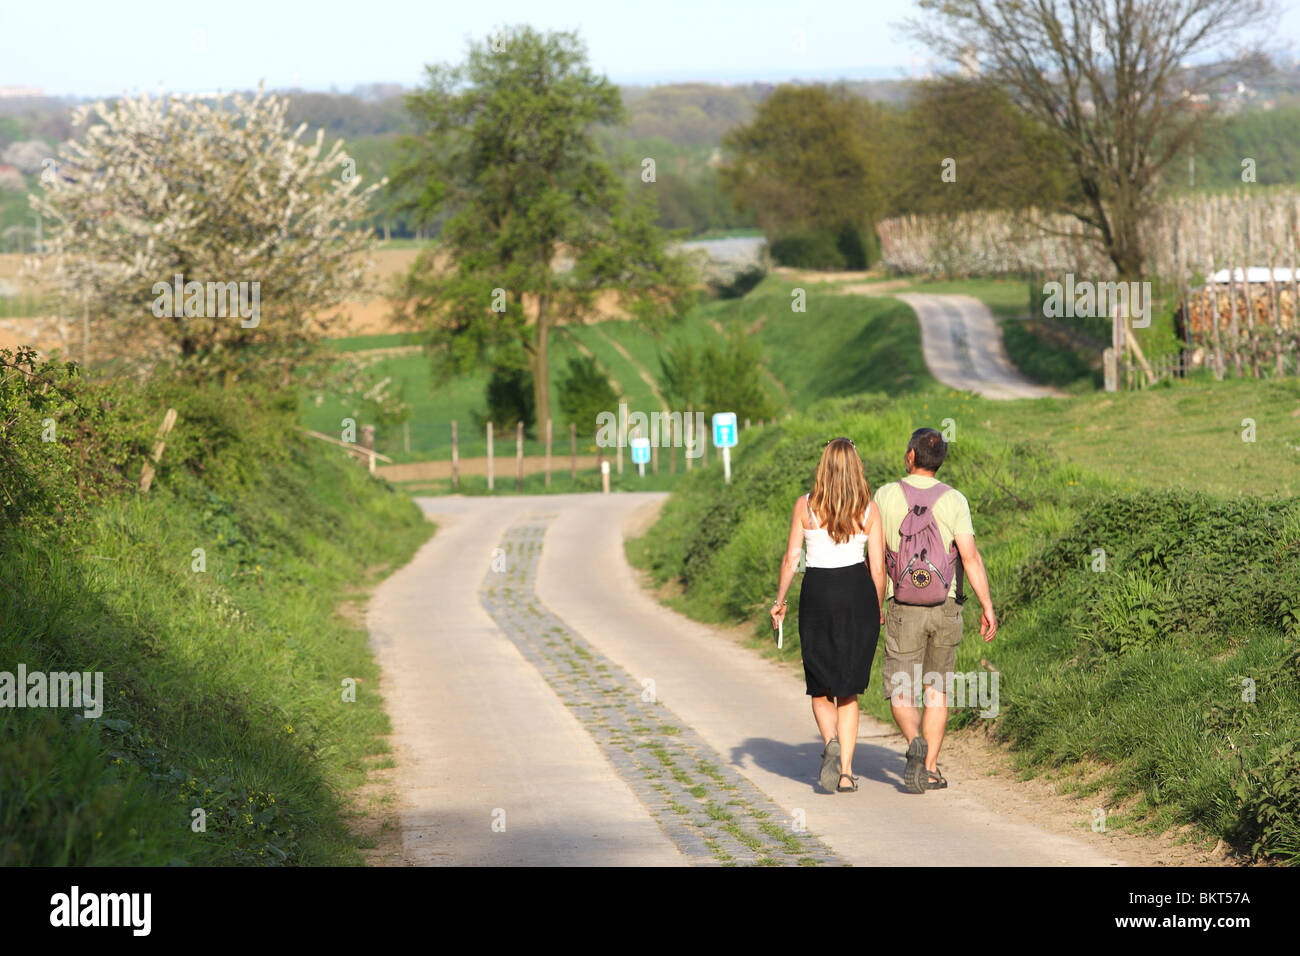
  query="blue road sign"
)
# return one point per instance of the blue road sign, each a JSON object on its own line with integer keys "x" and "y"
{"x": 724, "y": 430}
{"x": 640, "y": 450}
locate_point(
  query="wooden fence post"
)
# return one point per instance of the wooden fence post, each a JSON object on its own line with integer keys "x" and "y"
{"x": 1136, "y": 349}
{"x": 573, "y": 451}
{"x": 519, "y": 456}
{"x": 455, "y": 459}
{"x": 147, "y": 472}
{"x": 548, "y": 453}
{"x": 368, "y": 443}
{"x": 1212, "y": 287}
{"x": 1233, "y": 329}
{"x": 1295, "y": 286}
{"x": 688, "y": 430}
{"x": 1250, "y": 304}
{"x": 1275, "y": 310}
{"x": 674, "y": 436}
{"x": 620, "y": 439}
{"x": 489, "y": 455}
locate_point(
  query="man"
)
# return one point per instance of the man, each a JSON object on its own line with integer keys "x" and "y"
{"x": 921, "y": 641}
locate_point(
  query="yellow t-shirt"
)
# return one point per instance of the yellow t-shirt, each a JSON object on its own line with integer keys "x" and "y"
{"x": 951, "y": 514}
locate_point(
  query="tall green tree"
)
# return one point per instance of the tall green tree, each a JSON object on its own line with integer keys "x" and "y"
{"x": 537, "y": 222}
{"x": 804, "y": 165}
{"x": 1002, "y": 158}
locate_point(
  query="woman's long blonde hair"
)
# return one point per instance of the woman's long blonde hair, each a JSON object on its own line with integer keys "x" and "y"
{"x": 840, "y": 490}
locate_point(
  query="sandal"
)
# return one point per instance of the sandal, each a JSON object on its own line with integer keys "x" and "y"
{"x": 853, "y": 783}
{"x": 914, "y": 773}
{"x": 830, "y": 760}
{"x": 936, "y": 781}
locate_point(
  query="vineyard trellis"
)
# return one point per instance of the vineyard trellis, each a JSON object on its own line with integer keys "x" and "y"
{"x": 1232, "y": 259}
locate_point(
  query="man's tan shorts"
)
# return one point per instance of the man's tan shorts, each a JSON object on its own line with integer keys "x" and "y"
{"x": 920, "y": 647}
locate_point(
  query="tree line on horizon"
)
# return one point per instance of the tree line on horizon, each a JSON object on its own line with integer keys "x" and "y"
{"x": 502, "y": 158}
{"x": 683, "y": 126}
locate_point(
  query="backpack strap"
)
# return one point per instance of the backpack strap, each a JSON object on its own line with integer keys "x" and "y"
{"x": 960, "y": 595}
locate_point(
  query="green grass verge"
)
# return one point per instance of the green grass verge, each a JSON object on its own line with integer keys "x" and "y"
{"x": 223, "y": 680}
{"x": 841, "y": 345}
{"x": 1128, "y": 681}
{"x": 1040, "y": 349}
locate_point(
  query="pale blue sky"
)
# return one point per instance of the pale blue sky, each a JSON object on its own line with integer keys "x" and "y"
{"x": 105, "y": 47}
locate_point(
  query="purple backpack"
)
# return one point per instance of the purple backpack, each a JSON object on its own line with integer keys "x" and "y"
{"x": 921, "y": 569}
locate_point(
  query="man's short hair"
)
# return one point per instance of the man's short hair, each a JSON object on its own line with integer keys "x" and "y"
{"x": 930, "y": 449}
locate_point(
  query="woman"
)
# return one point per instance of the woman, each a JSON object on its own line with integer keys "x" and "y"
{"x": 839, "y": 602}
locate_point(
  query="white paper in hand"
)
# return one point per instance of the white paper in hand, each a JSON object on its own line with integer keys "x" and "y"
{"x": 780, "y": 633}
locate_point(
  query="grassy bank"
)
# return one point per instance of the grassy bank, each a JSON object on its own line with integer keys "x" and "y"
{"x": 1131, "y": 679}
{"x": 212, "y": 607}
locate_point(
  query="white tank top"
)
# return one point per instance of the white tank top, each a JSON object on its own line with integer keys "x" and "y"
{"x": 822, "y": 552}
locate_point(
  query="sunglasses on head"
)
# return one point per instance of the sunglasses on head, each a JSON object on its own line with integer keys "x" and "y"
{"x": 849, "y": 440}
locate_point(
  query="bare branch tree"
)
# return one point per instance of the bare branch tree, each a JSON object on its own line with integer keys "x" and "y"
{"x": 1123, "y": 84}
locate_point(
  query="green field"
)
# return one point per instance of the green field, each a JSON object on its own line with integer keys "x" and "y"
{"x": 839, "y": 346}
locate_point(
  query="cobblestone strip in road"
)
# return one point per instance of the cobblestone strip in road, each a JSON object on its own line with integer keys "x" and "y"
{"x": 713, "y": 814}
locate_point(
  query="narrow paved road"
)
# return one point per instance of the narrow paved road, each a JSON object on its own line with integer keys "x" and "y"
{"x": 963, "y": 347}
{"x": 530, "y": 678}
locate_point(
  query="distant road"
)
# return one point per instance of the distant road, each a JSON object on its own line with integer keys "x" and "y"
{"x": 963, "y": 347}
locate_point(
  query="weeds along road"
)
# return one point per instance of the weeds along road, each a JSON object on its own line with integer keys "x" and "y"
{"x": 546, "y": 710}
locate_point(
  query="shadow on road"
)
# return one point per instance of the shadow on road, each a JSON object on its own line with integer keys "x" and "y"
{"x": 801, "y": 762}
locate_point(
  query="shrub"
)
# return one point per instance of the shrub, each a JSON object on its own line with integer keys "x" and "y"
{"x": 585, "y": 392}
{"x": 736, "y": 285}
{"x": 853, "y": 244}
{"x": 1268, "y": 808}
{"x": 510, "y": 399}
{"x": 813, "y": 250}
{"x": 725, "y": 375}
{"x": 1179, "y": 565}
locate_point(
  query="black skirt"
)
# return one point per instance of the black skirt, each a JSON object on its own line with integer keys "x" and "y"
{"x": 839, "y": 625}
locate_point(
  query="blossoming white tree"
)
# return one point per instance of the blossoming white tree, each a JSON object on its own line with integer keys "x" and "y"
{"x": 216, "y": 192}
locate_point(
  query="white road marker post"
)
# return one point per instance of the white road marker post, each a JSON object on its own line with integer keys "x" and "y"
{"x": 724, "y": 437}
